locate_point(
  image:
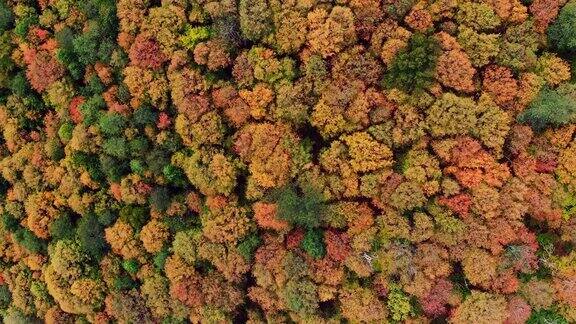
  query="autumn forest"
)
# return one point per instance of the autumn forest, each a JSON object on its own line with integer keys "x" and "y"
{"x": 288, "y": 161}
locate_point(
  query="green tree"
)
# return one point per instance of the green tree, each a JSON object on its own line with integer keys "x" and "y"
{"x": 131, "y": 266}
{"x": 313, "y": 243}
{"x": 62, "y": 228}
{"x": 562, "y": 33}
{"x": 544, "y": 316}
{"x": 27, "y": 239}
{"x": 413, "y": 67}
{"x": 299, "y": 207}
{"x": 248, "y": 246}
{"x": 90, "y": 235}
{"x": 112, "y": 123}
{"x": 136, "y": 216}
{"x": 6, "y": 17}
{"x": 552, "y": 108}
{"x": 116, "y": 146}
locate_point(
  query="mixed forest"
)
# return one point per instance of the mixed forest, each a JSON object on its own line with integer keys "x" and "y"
{"x": 288, "y": 161}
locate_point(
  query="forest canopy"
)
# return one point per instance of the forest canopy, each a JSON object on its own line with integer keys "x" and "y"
{"x": 288, "y": 161}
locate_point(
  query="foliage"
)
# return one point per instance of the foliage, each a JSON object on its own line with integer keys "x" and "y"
{"x": 413, "y": 67}
{"x": 313, "y": 243}
{"x": 552, "y": 108}
{"x": 254, "y": 161}
{"x": 299, "y": 207}
{"x": 562, "y": 33}
{"x": 195, "y": 35}
{"x": 91, "y": 236}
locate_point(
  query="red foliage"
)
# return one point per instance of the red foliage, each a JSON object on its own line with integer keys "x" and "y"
{"x": 460, "y": 204}
{"x": 518, "y": 311}
{"x": 472, "y": 165}
{"x": 434, "y": 304}
{"x": 294, "y": 238}
{"x": 43, "y": 70}
{"x": 188, "y": 291}
{"x": 337, "y": 245}
{"x": 544, "y": 11}
{"x": 145, "y": 52}
{"x": 506, "y": 283}
{"x": 546, "y": 166}
{"x": 499, "y": 82}
{"x": 163, "y": 121}
{"x": 74, "y": 110}
{"x": 265, "y": 215}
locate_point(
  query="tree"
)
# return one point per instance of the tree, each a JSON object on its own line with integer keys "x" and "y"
{"x": 480, "y": 307}
{"x": 313, "y": 243}
{"x": 330, "y": 32}
{"x": 361, "y": 304}
{"x": 413, "y": 67}
{"x": 552, "y": 108}
{"x": 91, "y": 236}
{"x": 255, "y": 19}
{"x": 455, "y": 70}
{"x": 481, "y": 48}
{"x": 562, "y": 33}
{"x": 478, "y": 16}
{"x": 451, "y": 115}
{"x": 43, "y": 70}
{"x": 300, "y": 296}
{"x": 297, "y": 206}
{"x": 145, "y": 52}
{"x": 399, "y": 305}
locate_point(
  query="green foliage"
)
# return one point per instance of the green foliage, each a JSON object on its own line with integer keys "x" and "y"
{"x": 62, "y": 228}
{"x": 552, "y": 108}
{"x": 54, "y": 149}
{"x": 65, "y": 131}
{"x": 90, "y": 163}
{"x": 160, "y": 258}
{"x": 116, "y": 147}
{"x": 10, "y": 223}
{"x": 302, "y": 208}
{"x": 399, "y": 305}
{"x": 131, "y": 266}
{"x": 248, "y": 246}
{"x": 124, "y": 283}
{"x": 138, "y": 146}
{"x": 136, "y": 216}
{"x": 99, "y": 39}
{"x": 545, "y": 316}
{"x": 144, "y": 116}
{"x": 160, "y": 198}
{"x": 19, "y": 84}
{"x": 27, "y": 239}
{"x": 174, "y": 175}
{"x": 194, "y": 35}
{"x": 91, "y": 236}
{"x": 562, "y": 33}
{"x": 112, "y": 123}
{"x": 23, "y": 24}
{"x": 6, "y": 17}
{"x": 112, "y": 168}
{"x": 413, "y": 67}
{"x": 313, "y": 243}
{"x": 90, "y": 109}
{"x": 179, "y": 223}
{"x": 5, "y": 297}
{"x": 94, "y": 87}
{"x": 137, "y": 166}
